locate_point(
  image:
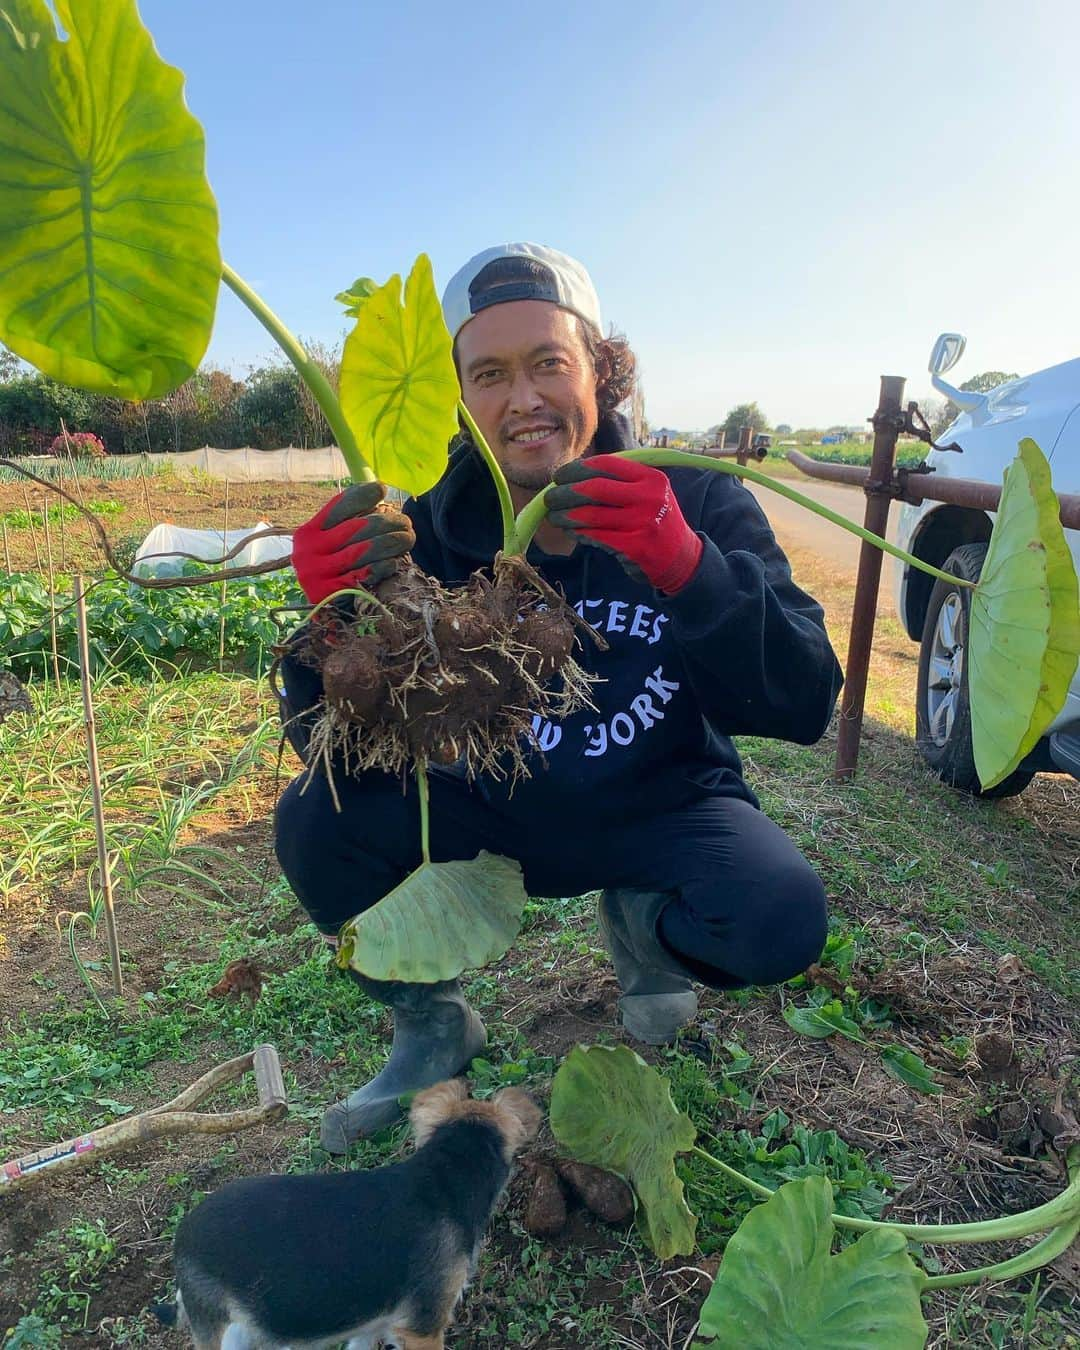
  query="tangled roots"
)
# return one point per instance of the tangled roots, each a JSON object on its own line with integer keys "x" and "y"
{"x": 425, "y": 673}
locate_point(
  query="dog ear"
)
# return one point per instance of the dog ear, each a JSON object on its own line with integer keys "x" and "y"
{"x": 434, "y": 1106}
{"x": 519, "y": 1117}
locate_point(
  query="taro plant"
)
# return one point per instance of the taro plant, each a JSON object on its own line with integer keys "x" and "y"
{"x": 778, "y": 1285}
{"x": 110, "y": 266}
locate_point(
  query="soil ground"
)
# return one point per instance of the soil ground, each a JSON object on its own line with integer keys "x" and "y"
{"x": 953, "y": 935}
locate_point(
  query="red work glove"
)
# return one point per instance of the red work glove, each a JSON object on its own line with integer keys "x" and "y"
{"x": 630, "y": 510}
{"x": 349, "y": 543}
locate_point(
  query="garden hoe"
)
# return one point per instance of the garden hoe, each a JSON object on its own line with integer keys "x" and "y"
{"x": 162, "y": 1122}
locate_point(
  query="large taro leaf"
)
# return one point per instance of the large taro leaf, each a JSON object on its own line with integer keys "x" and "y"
{"x": 1025, "y": 622}
{"x": 109, "y": 263}
{"x": 780, "y": 1289}
{"x": 399, "y": 389}
{"x": 610, "y": 1109}
{"x": 444, "y": 918}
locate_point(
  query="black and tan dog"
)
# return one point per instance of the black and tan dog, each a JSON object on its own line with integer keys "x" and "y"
{"x": 371, "y": 1258}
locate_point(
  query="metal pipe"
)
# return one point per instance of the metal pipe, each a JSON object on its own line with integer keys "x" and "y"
{"x": 918, "y": 487}
{"x": 887, "y": 423}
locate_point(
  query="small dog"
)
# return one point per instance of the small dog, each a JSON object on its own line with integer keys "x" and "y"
{"x": 370, "y": 1258}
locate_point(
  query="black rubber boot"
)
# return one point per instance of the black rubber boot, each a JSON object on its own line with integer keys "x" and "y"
{"x": 658, "y": 997}
{"x": 436, "y": 1035}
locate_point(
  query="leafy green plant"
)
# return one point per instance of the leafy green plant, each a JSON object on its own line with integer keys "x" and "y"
{"x": 21, "y": 519}
{"x": 779, "y": 1287}
{"x": 139, "y": 631}
{"x": 826, "y": 1014}
{"x": 608, "y": 1107}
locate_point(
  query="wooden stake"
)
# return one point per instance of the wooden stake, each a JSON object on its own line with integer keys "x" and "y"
{"x": 7, "y": 551}
{"x": 52, "y": 596}
{"x": 224, "y": 583}
{"x": 33, "y": 532}
{"x": 95, "y": 784}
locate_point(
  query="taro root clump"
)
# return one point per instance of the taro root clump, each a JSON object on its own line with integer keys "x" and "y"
{"x": 423, "y": 672}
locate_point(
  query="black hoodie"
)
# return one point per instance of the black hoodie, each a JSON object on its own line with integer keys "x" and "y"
{"x": 740, "y": 650}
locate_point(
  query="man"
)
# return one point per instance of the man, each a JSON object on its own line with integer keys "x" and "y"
{"x": 642, "y": 798}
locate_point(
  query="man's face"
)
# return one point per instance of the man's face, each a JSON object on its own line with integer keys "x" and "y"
{"x": 529, "y": 382}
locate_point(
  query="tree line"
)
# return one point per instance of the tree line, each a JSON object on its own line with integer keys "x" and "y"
{"x": 268, "y": 409}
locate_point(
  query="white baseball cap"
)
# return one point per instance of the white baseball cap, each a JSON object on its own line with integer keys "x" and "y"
{"x": 519, "y": 272}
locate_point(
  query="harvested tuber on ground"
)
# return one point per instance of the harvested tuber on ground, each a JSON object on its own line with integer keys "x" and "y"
{"x": 602, "y": 1193}
{"x": 545, "y": 1215}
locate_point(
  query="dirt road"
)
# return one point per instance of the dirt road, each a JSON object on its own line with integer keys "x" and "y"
{"x": 797, "y": 525}
{"x": 807, "y": 539}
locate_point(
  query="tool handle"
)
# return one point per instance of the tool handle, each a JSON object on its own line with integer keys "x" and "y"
{"x": 268, "y": 1079}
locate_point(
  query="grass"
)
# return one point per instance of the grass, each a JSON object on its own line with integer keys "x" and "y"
{"x": 167, "y": 748}
{"x": 929, "y": 891}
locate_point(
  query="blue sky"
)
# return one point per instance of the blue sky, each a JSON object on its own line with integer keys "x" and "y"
{"x": 776, "y": 202}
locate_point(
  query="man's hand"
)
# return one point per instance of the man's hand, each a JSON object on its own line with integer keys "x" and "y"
{"x": 630, "y": 510}
{"x": 348, "y": 543}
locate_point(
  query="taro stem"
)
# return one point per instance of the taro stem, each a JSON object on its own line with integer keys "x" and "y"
{"x": 420, "y": 772}
{"x": 309, "y": 372}
{"x": 529, "y": 519}
{"x": 1061, "y": 1212}
{"x": 506, "y": 506}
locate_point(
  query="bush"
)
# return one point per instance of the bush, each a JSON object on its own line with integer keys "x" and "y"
{"x": 80, "y": 444}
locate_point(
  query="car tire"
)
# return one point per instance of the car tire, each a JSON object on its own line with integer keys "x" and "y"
{"x": 942, "y": 708}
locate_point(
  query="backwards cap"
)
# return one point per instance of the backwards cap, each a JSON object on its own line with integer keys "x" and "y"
{"x": 519, "y": 272}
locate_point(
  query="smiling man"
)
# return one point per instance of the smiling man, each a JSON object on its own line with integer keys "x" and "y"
{"x": 641, "y": 797}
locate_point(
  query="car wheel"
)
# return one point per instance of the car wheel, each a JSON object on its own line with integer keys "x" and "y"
{"x": 943, "y": 709}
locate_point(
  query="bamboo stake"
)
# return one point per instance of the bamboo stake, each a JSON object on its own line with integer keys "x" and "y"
{"x": 63, "y": 531}
{"x": 52, "y": 595}
{"x": 95, "y": 784}
{"x": 146, "y": 496}
{"x": 74, "y": 466}
{"x": 224, "y": 583}
{"x": 33, "y": 532}
{"x": 7, "y": 551}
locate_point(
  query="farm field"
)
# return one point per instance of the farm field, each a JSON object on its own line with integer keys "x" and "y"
{"x": 953, "y": 934}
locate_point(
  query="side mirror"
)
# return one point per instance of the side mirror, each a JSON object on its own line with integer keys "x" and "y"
{"x": 948, "y": 349}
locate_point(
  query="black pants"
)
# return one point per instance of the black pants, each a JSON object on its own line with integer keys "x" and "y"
{"x": 747, "y": 907}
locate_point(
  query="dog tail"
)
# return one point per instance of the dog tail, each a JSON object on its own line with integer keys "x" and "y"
{"x": 166, "y": 1313}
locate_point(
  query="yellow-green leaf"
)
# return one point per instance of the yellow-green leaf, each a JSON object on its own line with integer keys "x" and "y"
{"x": 444, "y": 918}
{"x": 109, "y": 262}
{"x": 356, "y": 295}
{"x": 610, "y": 1109}
{"x": 1025, "y": 622}
{"x": 399, "y": 390}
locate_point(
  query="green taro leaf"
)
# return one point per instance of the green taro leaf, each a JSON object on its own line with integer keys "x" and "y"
{"x": 109, "y": 262}
{"x": 822, "y": 1021}
{"x": 906, "y": 1067}
{"x": 354, "y": 297}
{"x": 1025, "y": 622}
{"x": 444, "y": 918}
{"x": 610, "y": 1109}
{"x": 779, "y": 1288}
{"x": 399, "y": 388}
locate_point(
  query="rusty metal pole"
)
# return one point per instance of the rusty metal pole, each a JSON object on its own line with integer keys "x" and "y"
{"x": 887, "y": 422}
